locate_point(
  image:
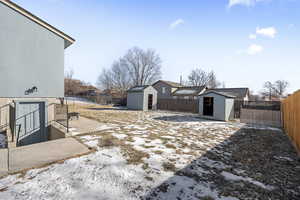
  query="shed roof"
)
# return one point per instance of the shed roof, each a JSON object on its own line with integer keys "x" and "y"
{"x": 68, "y": 40}
{"x": 170, "y": 83}
{"x": 138, "y": 88}
{"x": 189, "y": 91}
{"x": 236, "y": 92}
{"x": 218, "y": 93}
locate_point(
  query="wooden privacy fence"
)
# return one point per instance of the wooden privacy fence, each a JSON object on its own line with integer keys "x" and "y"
{"x": 291, "y": 118}
{"x": 266, "y": 113}
{"x": 181, "y": 105}
{"x": 261, "y": 117}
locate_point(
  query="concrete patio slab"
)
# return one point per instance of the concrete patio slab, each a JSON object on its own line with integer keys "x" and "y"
{"x": 83, "y": 125}
{"x": 37, "y": 155}
{"x": 3, "y": 162}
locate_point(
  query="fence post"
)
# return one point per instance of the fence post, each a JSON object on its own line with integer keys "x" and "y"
{"x": 67, "y": 118}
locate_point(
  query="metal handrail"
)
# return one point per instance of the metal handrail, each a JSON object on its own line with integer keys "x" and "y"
{"x": 18, "y": 135}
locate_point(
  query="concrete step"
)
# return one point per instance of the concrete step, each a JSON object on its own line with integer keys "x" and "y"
{"x": 3, "y": 162}
{"x": 16, "y": 159}
{"x": 40, "y": 154}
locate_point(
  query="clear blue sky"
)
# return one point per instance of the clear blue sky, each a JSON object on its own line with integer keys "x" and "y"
{"x": 246, "y": 42}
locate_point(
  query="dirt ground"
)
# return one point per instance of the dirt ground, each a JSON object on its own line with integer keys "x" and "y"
{"x": 167, "y": 155}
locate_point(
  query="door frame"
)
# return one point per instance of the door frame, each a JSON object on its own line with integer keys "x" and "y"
{"x": 212, "y": 107}
{"x": 148, "y": 103}
{"x": 43, "y": 113}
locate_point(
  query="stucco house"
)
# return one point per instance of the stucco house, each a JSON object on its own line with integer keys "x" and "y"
{"x": 31, "y": 72}
{"x": 165, "y": 88}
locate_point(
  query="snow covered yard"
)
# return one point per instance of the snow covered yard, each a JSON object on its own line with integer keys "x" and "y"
{"x": 165, "y": 155}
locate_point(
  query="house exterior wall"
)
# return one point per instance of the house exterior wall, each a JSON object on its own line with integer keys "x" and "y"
{"x": 153, "y": 91}
{"x": 135, "y": 100}
{"x": 30, "y": 55}
{"x": 168, "y": 90}
{"x": 4, "y": 112}
{"x": 219, "y": 107}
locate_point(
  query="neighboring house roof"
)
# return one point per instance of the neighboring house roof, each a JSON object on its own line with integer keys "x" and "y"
{"x": 219, "y": 93}
{"x": 170, "y": 83}
{"x": 189, "y": 91}
{"x": 239, "y": 93}
{"x": 138, "y": 88}
{"x": 68, "y": 40}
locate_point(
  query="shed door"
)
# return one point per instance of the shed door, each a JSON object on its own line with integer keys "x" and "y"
{"x": 208, "y": 106}
{"x": 30, "y": 123}
{"x": 150, "y": 101}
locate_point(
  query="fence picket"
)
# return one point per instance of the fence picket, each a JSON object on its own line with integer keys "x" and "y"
{"x": 291, "y": 116}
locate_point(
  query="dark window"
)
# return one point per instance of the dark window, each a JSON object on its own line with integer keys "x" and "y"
{"x": 208, "y": 106}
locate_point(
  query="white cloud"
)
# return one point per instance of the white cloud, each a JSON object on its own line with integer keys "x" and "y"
{"x": 254, "y": 49}
{"x": 267, "y": 32}
{"x": 243, "y": 2}
{"x": 252, "y": 36}
{"x": 176, "y": 23}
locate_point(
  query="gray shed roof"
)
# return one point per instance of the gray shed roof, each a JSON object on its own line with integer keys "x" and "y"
{"x": 189, "y": 91}
{"x": 219, "y": 93}
{"x": 138, "y": 88}
{"x": 236, "y": 92}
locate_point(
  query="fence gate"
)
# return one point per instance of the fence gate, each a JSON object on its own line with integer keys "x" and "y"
{"x": 30, "y": 122}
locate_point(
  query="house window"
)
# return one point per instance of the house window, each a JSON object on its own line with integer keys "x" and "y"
{"x": 163, "y": 90}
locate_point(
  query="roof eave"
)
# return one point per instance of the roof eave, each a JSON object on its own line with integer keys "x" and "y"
{"x": 68, "y": 40}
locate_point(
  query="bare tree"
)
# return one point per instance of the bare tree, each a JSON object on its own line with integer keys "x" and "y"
{"x": 71, "y": 85}
{"x": 69, "y": 74}
{"x": 199, "y": 77}
{"x": 105, "y": 80}
{"x": 276, "y": 89}
{"x": 213, "y": 82}
{"x": 143, "y": 66}
{"x": 281, "y": 87}
{"x": 120, "y": 77}
{"x": 269, "y": 90}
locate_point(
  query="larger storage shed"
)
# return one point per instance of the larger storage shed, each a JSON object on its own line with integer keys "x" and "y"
{"x": 216, "y": 105}
{"x": 142, "y": 98}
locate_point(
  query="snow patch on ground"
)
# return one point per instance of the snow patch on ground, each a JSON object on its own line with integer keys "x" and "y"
{"x": 232, "y": 177}
{"x": 101, "y": 175}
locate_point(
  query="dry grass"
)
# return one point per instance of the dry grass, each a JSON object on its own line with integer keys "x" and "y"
{"x": 169, "y": 166}
{"x": 171, "y": 146}
{"x": 159, "y": 152}
{"x": 3, "y": 189}
{"x": 132, "y": 155}
{"x": 109, "y": 141}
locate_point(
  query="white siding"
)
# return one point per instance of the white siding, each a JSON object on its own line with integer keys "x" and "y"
{"x": 223, "y": 107}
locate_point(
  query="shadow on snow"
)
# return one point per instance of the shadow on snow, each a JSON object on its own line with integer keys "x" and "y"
{"x": 251, "y": 164}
